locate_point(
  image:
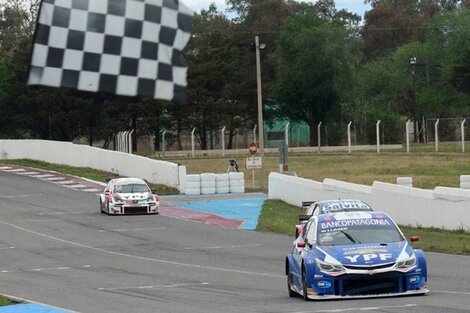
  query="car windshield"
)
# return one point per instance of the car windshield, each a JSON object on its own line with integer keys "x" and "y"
{"x": 357, "y": 231}
{"x": 131, "y": 188}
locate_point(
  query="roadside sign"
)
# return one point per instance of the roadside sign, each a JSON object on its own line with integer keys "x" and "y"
{"x": 253, "y": 148}
{"x": 253, "y": 162}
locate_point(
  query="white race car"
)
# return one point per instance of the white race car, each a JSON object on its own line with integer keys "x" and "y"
{"x": 128, "y": 196}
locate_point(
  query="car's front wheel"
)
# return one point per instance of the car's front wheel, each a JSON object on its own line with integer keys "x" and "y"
{"x": 289, "y": 283}
{"x": 304, "y": 284}
{"x": 101, "y": 207}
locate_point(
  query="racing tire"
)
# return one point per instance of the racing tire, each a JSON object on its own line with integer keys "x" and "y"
{"x": 291, "y": 292}
{"x": 101, "y": 207}
{"x": 304, "y": 285}
{"x": 107, "y": 207}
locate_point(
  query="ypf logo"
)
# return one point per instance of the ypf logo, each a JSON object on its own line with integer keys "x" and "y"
{"x": 369, "y": 257}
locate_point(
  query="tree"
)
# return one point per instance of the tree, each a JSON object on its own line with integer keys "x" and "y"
{"x": 461, "y": 73}
{"x": 315, "y": 61}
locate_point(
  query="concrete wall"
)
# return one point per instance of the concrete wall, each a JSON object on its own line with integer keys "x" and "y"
{"x": 447, "y": 208}
{"x": 58, "y": 152}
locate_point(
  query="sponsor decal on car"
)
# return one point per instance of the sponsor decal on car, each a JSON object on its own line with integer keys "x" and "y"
{"x": 368, "y": 257}
{"x": 352, "y": 223}
{"x": 323, "y": 284}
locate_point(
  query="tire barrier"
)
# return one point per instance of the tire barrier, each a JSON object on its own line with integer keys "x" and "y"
{"x": 193, "y": 184}
{"x": 210, "y": 183}
{"x": 222, "y": 184}
{"x": 237, "y": 182}
{"x": 207, "y": 183}
{"x": 465, "y": 181}
{"x": 405, "y": 181}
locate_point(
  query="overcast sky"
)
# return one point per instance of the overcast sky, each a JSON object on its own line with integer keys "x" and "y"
{"x": 356, "y": 6}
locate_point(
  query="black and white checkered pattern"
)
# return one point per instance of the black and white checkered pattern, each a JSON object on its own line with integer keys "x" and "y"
{"x": 124, "y": 47}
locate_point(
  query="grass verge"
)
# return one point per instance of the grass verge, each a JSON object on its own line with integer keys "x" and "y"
{"x": 4, "y": 301}
{"x": 280, "y": 217}
{"x": 85, "y": 172}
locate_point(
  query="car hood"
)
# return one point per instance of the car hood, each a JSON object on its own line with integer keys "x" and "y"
{"x": 366, "y": 254}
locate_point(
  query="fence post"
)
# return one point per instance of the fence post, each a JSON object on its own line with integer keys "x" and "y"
{"x": 130, "y": 141}
{"x": 192, "y": 142}
{"x": 254, "y": 133}
{"x": 462, "y": 129}
{"x": 436, "y": 135}
{"x": 349, "y": 136}
{"x": 377, "y": 130}
{"x": 125, "y": 144}
{"x": 286, "y": 134}
{"x": 222, "y": 132}
{"x": 319, "y": 136}
{"x": 407, "y": 135}
{"x": 163, "y": 142}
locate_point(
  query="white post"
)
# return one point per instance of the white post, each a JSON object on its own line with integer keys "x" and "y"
{"x": 377, "y": 130}
{"x": 163, "y": 142}
{"x": 254, "y": 133}
{"x": 286, "y": 134}
{"x": 125, "y": 144}
{"x": 260, "y": 112}
{"x": 192, "y": 142}
{"x": 118, "y": 135}
{"x": 462, "y": 130}
{"x": 436, "y": 134}
{"x": 349, "y": 136}
{"x": 407, "y": 135}
{"x": 319, "y": 136}
{"x": 222, "y": 132}
{"x": 130, "y": 141}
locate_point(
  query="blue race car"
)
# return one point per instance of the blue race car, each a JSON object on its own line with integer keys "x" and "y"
{"x": 354, "y": 255}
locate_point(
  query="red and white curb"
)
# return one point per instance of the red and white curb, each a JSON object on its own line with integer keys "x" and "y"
{"x": 69, "y": 181}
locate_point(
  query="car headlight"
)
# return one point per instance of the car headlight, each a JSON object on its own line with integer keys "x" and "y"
{"x": 151, "y": 198}
{"x": 117, "y": 199}
{"x": 328, "y": 267}
{"x": 410, "y": 262}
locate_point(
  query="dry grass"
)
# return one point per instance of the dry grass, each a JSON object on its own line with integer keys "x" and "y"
{"x": 427, "y": 169}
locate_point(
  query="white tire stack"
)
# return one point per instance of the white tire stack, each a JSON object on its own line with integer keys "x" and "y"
{"x": 193, "y": 185}
{"x": 208, "y": 183}
{"x": 465, "y": 181}
{"x": 222, "y": 184}
{"x": 237, "y": 182}
{"x": 405, "y": 181}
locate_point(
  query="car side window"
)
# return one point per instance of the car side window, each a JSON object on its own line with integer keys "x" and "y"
{"x": 306, "y": 231}
{"x": 311, "y": 233}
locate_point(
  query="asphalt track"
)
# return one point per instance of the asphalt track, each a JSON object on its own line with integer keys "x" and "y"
{"x": 56, "y": 248}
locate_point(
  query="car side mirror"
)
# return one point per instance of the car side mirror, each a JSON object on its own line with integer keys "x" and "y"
{"x": 414, "y": 238}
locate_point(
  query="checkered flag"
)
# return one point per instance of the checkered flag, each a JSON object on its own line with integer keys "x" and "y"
{"x": 124, "y": 47}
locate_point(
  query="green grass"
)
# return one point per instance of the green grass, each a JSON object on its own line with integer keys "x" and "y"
{"x": 280, "y": 217}
{"x": 85, "y": 172}
{"x": 4, "y": 301}
{"x": 428, "y": 170}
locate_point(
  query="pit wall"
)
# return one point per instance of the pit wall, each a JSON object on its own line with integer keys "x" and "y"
{"x": 446, "y": 208}
{"x": 67, "y": 153}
